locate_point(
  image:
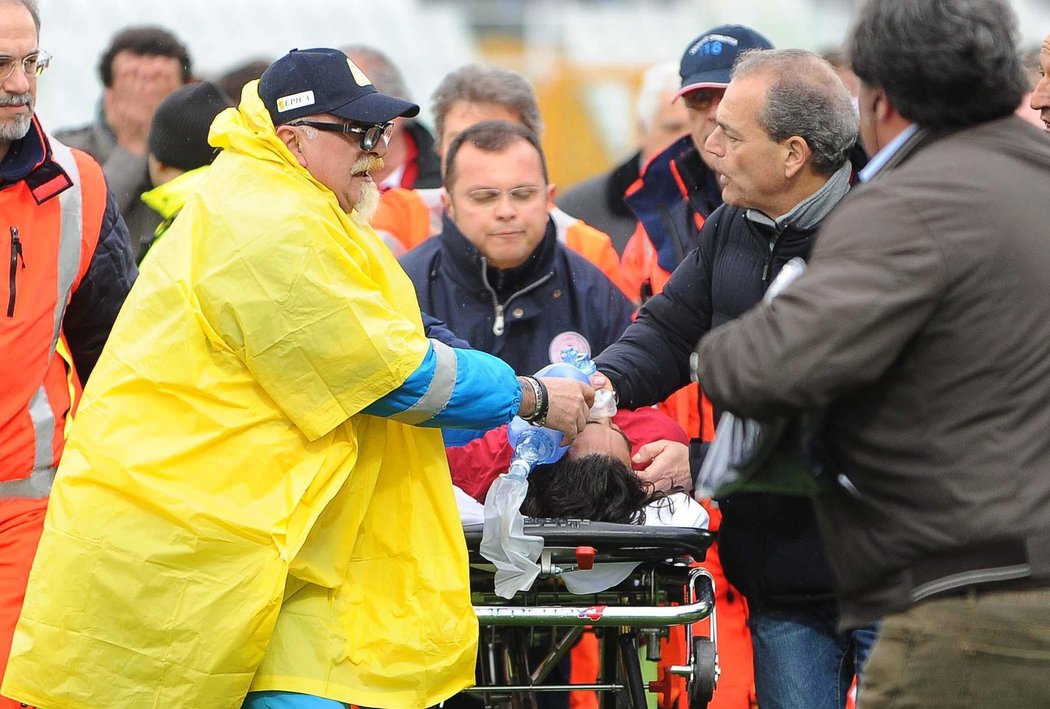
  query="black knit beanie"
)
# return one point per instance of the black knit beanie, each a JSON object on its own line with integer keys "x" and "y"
{"x": 178, "y": 136}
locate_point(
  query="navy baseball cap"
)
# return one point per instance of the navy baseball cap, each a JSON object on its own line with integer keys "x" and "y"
{"x": 708, "y": 61}
{"x": 305, "y": 82}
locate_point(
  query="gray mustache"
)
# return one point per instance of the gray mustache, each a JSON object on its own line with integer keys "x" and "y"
{"x": 15, "y": 99}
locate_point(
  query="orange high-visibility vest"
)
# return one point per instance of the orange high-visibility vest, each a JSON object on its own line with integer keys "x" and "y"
{"x": 51, "y": 231}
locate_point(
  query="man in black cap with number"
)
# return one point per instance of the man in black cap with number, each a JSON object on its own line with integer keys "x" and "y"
{"x": 261, "y": 432}
{"x": 678, "y": 190}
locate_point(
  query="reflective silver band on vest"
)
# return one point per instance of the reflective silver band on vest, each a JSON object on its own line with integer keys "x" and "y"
{"x": 36, "y": 486}
{"x": 41, "y": 413}
{"x": 43, "y": 418}
{"x": 71, "y": 234}
{"x": 439, "y": 393}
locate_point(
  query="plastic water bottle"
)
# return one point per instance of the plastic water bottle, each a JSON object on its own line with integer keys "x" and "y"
{"x": 604, "y": 400}
{"x": 570, "y": 355}
{"x": 503, "y": 538}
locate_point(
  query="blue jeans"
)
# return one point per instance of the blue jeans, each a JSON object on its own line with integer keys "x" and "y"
{"x": 288, "y": 700}
{"x": 801, "y": 660}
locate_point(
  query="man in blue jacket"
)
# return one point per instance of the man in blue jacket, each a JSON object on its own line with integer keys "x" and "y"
{"x": 497, "y": 274}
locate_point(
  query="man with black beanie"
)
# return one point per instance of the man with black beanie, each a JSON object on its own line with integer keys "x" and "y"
{"x": 179, "y": 150}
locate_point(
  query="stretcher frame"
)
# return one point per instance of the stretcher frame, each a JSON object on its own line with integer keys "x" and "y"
{"x": 666, "y": 589}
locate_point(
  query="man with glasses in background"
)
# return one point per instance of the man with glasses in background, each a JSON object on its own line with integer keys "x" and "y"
{"x": 70, "y": 268}
{"x": 261, "y": 436}
{"x": 497, "y": 273}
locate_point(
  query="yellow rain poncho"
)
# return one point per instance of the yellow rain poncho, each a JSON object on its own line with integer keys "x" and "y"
{"x": 224, "y": 517}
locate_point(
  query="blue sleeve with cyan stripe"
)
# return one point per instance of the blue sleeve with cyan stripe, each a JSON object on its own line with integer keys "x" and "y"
{"x": 453, "y": 388}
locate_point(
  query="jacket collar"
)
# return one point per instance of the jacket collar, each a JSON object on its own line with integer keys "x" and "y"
{"x": 914, "y": 142}
{"x": 167, "y": 199}
{"x": 812, "y": 210}
{"x": 29, "y": 159}
{"x": 674, "y": 174}
{"x": 469, "y": 265}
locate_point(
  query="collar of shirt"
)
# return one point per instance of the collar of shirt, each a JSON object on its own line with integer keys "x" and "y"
{"x": 879, "y": 160}
{"x": 811, "y": 211}
{"x": 23, "y": 156}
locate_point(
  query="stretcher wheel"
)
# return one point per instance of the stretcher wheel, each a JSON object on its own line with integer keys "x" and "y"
{"x": 702, "y": 684}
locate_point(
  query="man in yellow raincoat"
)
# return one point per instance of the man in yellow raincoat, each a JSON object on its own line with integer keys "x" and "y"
{"x": 251, "y": 500}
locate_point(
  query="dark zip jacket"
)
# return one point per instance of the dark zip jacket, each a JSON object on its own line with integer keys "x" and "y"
{"x": 521, "y": 315}
{"x": 768, "y": 544}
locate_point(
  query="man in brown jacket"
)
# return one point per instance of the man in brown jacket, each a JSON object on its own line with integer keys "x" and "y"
{"x": 923, "y": 327}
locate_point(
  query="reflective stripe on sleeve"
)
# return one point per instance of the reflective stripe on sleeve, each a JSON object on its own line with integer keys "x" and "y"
{"x": 70, "y": 239}
{"x": 439, "y": 393}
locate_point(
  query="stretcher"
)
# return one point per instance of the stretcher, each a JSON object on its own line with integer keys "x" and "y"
{"x": 523, "y": 638}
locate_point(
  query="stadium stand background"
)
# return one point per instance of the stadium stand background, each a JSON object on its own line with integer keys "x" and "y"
{"x": 584, "y": 56}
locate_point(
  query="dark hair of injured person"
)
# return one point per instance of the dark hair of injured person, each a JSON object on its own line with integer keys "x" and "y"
{"x": 595, "y": 487}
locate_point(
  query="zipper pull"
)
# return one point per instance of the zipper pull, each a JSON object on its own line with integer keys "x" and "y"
{"x": 16, "y": 254}
{"x": 498, "y": 326}
{"x": 16, "y": 246}
{"x": 646, "y": 291}
{"x": 767, "y": 272}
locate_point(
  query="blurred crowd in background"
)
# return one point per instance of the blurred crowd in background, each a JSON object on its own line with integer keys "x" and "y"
{"x": 585, "y": 58}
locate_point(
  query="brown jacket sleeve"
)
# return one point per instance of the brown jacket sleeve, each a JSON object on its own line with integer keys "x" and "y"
{"x": 873, "y": 280}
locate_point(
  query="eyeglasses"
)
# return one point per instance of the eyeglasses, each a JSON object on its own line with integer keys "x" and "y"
{"x": 32, "y": 64}
{"x": 371, "y": 135}
{"x": 488, "y": 198}
{"x": 702, "y": 99}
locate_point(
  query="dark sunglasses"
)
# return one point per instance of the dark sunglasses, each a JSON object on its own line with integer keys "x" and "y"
{"x": 370, "y": 135}
{"x": 702, "y": 99}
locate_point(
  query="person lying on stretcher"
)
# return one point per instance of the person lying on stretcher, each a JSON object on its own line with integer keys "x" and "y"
{"x": 595, "y": 479}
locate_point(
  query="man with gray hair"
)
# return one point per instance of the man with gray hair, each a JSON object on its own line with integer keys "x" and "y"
{"x": 783, "y": 134}
{"x": 70, "y": 270}
{"x": 922, "y": 328}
